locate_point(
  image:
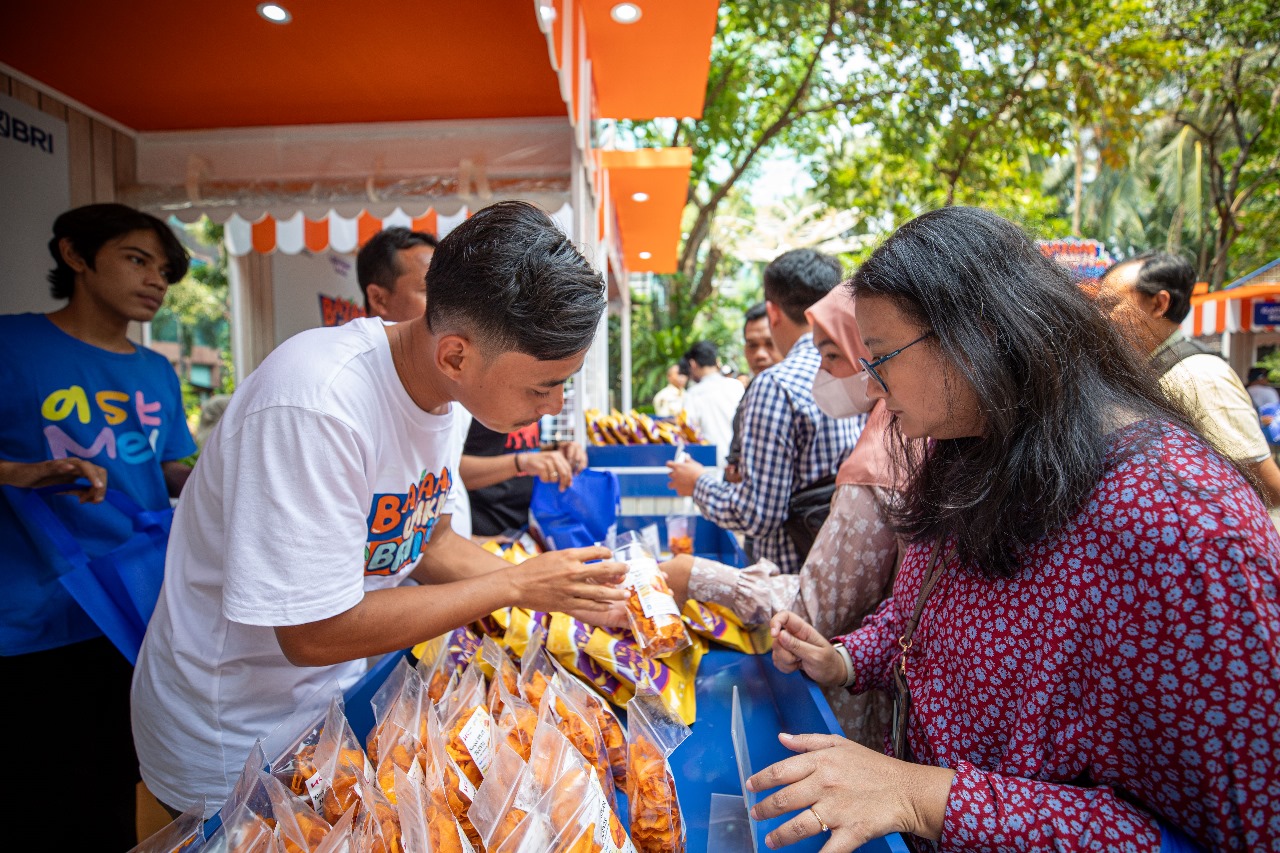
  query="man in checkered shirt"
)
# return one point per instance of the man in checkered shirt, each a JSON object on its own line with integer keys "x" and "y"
{"x": 788, "y": 444}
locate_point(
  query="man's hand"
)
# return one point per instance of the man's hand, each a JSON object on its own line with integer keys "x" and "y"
{"x": 52, "y": 472}
{"x": 683, "y": 477}
{"x": 549, "y": 466}
{"x": 563, "y": 581}
{"x": 574, "y": 455}
{"x": 732, "y": 473}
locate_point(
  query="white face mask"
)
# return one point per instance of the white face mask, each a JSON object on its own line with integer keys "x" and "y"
{"x": 842, "y": 398}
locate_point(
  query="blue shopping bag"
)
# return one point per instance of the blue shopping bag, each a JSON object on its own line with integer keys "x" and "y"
{"x": 117, "y": 588}
{"x": 581, "y": 515}
{"x": 1271, "y": 430}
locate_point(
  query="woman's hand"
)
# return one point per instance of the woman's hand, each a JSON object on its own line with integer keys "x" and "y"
{"x": 52, "y": 472}
{"x": 678, "y": 570}
{"x": 798, "y": 645}
{"x": 856, "y": 792}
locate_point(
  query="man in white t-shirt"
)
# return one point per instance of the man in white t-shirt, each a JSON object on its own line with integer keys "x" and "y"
{"x": 391, "y": 269}
{"x": 330, "y": 481}
{"x": 712, "y": 397}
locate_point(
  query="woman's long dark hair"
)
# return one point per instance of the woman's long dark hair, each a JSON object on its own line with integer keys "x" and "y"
{"x": 1051, "y": 375}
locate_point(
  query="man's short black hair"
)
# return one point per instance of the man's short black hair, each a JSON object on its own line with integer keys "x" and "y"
{"x": 797, "y": 279}
{"x": 683, "y": 366}
{"x": 510, "y": 280}
{"x": 1164, "y": 271}
{"x": 756, "y": 312}
{"x": 92, "y": 226}
{"x": 704, "y": 354}
{"x": 378, "y": 262}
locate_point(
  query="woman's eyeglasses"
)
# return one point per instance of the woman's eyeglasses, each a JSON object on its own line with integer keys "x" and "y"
{"x": 870, "y": 366}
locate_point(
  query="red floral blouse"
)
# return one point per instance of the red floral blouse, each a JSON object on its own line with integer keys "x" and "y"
{"x": 1131, "y": 669}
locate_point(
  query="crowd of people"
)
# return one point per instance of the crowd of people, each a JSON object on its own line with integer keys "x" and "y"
{"x": 1016, "y": 526}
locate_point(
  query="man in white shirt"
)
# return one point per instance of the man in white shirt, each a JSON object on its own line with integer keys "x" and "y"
{"x": 330, "y": 481}
{"x": 670, "y": 398}
{"x": 712, "y": 397}
{"x": 1260, "y": 389}
{"x": 1149, "y": 295}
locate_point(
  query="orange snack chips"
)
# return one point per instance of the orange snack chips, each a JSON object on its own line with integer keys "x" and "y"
{"x": 655, "y": 620}
{"x": 653, "y": 733}
{"x": 656, "y": 825}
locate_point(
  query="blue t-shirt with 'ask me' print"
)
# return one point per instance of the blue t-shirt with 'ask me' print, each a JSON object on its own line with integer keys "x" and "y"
{"x": 60, "y": 397}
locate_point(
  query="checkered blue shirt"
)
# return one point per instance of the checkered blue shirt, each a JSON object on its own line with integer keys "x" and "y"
{"x": 787, "y": 444}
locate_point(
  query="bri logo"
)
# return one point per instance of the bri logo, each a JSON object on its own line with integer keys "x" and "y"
{"x": 12, "y": 127}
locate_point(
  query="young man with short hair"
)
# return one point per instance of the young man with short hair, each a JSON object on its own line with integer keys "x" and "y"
{"x": 328, "y": 482}
{"x": 712, "y": 398}
{"x": 761, "y": 354}
{"x": 391, "y": 269}
{"x": 788, "y": 443}
{"x": 83, "y": 401}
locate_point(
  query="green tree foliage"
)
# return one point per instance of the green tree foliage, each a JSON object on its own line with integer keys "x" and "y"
{"x": 1140, "y": 123}
{"x": 196, "y": 312}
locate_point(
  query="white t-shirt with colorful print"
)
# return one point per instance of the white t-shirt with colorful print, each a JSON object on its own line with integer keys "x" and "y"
{"x": 322, "y": 481}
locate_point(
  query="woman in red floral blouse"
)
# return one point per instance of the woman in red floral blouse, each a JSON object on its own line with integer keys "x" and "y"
{"x": 1090, "y": 606}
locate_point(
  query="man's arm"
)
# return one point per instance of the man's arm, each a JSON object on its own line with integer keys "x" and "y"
{"x": 1267, "y": 474}
{"x": 758, "y": 505}
{"x": 175, "y": 476}
{"x": 33, "y": 475}
{"x": 480, "y": 471}
{"x": 550, "y": 466}
{"x": 459, "y": 583}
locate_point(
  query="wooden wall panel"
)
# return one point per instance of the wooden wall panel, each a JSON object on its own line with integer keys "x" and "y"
{"x": 80, "y": 157}
{"x": 26, "y": 94}
{"x": 100, "y": 159}
{"x": 104, "y": 162}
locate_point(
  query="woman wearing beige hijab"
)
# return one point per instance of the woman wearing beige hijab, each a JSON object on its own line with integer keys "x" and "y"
{"x": 851, "y": 566}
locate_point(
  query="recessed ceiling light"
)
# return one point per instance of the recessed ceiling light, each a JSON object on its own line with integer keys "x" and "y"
{"x": 644, "y": 256}
{"x": 640, "y": 196}
{"x": 625, "y": 13}
{"x": 275, "y": 13}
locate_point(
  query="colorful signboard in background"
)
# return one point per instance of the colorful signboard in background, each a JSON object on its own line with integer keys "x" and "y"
{"x": 1266, "y": 314}
{"x": 335, "y": 311}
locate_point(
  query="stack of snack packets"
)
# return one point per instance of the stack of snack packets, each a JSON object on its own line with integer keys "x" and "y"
{"x": 494, "y": 812}
{"x": 464, "y": 718}
{"x": 447, "y": 802}
{"x": 184, "y": 834}
{"x": 606, "y": 721}
{"x": 326, "y": 765}
{"x": 653, "y": 733}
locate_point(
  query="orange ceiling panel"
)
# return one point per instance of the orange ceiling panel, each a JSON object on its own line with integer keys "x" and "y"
{"x": 656, "y": 66}
{"x": 153, "y": 65}
{"x": 652, "y": 226}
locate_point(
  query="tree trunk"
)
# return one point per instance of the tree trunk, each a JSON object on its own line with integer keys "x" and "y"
{"x": 1077, "y": 190}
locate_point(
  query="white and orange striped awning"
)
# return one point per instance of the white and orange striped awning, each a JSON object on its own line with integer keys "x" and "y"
{"x": 1240, "y": 309}
{"x": 338, "y": 233}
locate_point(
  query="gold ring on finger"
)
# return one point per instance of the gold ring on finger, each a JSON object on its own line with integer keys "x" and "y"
{"x": 821, "y": 822}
